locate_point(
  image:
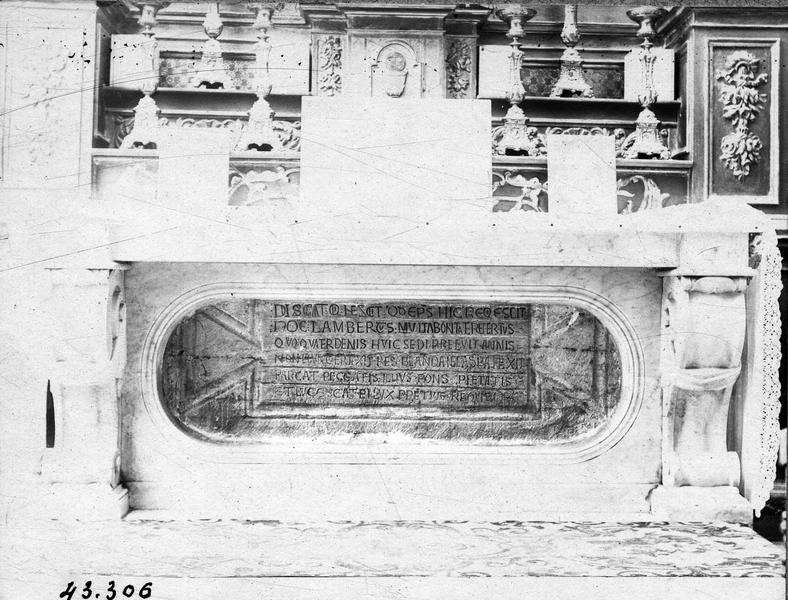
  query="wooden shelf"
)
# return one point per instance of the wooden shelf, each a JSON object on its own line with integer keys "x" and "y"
{"x": 566, "y": 112}
{"x": 200, "y": 102}
{"x": 622, "y": 164}
{"x": 664, "y": 167}
{"x": 586, "y": 112}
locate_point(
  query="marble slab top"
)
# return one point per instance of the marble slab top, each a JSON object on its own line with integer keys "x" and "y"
{"x": 238, "y": 548}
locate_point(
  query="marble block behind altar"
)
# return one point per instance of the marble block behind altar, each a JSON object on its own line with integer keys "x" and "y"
{"x": 393, "y": 159}
{"x": 581, "y": 170}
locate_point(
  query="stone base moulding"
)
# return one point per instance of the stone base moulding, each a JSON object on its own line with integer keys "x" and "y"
{"x": 74, "y": 502}
{"x": 701, "y": 504}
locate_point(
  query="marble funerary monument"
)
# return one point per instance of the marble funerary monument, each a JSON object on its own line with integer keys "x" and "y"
{"x": 397, "y": 264}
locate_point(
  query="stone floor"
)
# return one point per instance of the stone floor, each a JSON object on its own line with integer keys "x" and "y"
{"x": 237, "y": 560}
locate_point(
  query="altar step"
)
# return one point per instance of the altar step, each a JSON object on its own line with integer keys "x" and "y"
{"x": 239, "y": 560}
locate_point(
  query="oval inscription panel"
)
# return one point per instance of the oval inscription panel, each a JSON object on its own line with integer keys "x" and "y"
{"x": 243, "y": 370}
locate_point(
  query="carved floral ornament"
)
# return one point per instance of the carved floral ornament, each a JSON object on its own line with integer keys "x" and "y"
{"x": 741, "y": 104}
{"x": 330, "y": 66}
{"x": 458, "y": 69}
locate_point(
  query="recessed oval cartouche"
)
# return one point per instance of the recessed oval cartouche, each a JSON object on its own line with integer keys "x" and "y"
{"x": 245, "y": 370}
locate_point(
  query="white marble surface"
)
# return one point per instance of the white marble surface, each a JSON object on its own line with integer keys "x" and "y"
{"x": 420, "y": 588}
{"x": 420, "y": 560}
{"x": 360, "y": 156}
{"x": 384, "y": 480}
{"x": 581, "y": 170}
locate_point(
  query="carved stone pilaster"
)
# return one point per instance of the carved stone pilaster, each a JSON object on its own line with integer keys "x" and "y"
{"x": 703, "y": 332}
{"x": 46, "y": 94}
{"x": 82, "y": 469}
{"x": 703, "y": 327}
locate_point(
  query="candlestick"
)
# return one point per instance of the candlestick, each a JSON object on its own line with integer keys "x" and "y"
{"x": 645, "y": 141}
{"x": 145, "y": 132}
{"x": 514, "y": 137}
{"x": 571, "y": 81}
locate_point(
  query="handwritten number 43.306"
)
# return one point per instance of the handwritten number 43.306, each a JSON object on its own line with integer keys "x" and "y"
{"x": 112, "y": 592}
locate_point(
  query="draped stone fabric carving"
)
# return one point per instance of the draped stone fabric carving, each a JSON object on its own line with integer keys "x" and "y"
{"x": 704, "y": 380}
{"x": 536, "y": 373}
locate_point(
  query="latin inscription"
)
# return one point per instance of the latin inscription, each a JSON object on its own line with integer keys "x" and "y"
{"x": 259, "y": 365}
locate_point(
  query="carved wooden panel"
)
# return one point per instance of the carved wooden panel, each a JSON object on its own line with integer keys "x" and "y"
{"x": 245, "y": 369}
{"x": 743, "y": 141}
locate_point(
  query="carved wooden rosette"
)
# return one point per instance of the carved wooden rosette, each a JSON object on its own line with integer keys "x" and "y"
{"x": 704, "y": 322}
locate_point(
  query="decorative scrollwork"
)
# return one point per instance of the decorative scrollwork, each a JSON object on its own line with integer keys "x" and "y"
{"x": 120, "y": 127}
{"x": 577, "y": 131}
{"x": 515, "y": 138}
{"x": 652, "y": 195}
{"x": 458, "y": 69}
{"x": 330, "y": 67}
{"x": 741, "y": 102}
{"x": 530, "y": 190}
{"x": 289, "y": 132}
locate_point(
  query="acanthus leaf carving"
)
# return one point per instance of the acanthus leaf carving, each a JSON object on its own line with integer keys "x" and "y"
{"x": 121, "y": 126}
{"x": 741, "y": 102}
{"x": 653, "y": 197}
{"x": 458, "y": 69}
